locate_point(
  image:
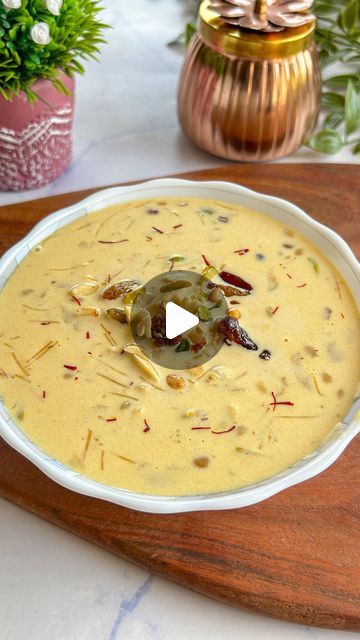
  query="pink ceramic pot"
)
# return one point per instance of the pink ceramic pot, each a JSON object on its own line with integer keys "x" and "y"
{"x": 35, "y": 141}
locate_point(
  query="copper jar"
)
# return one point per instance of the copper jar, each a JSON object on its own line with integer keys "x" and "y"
{"x": 249, "y": 96}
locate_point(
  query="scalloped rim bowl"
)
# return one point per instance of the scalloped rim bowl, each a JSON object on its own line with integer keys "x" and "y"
{"x": 334, "y": 247}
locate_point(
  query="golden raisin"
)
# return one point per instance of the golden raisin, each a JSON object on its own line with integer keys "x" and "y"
{"x": 234, "y": 313}
{"x": 201, "y": 461}
{"x": 175, "y": 382}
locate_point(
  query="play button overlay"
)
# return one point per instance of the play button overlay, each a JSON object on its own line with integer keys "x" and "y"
{"x": 174, "y": 319}
{"x": 178, "y": 320}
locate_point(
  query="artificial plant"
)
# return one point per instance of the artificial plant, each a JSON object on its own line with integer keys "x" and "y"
{"x": 42, "y": 38}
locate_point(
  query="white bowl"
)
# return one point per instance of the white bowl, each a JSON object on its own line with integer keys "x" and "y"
{"x": 326, "y": 240}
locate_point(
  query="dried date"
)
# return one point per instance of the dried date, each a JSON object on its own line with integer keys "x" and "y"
{"x": 233, "y": 331}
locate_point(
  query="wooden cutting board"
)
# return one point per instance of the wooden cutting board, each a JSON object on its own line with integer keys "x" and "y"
{"x": 295, "y": 556}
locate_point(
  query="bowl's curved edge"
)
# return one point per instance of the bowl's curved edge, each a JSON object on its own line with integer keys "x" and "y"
{"x": 305, "y": 469}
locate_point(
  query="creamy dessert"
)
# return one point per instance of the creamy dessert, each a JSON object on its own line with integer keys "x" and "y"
{"x": 78, "y": 385}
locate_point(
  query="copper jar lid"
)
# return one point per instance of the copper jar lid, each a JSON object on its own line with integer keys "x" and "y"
{"x": 244, "y": 43}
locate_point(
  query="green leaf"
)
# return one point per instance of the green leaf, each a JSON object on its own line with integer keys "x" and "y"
{"x": 356, "y": 149}
{"x": 341, "y": 81}
{"x": 190, "y": 29}
{"x": 333, "y": 101}
{"x": 322, "y": 8}
{"x": 330, "y": 58}
{"x": 352, "y": 109}
{"x": 34, "y": 58}
{"x": 349, "y": 16}
{"x": 326, "y": 141}
{"x": 333, "y": 120}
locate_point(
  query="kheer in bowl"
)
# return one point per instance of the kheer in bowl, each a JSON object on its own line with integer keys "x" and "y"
{"x": 101, "y": 415}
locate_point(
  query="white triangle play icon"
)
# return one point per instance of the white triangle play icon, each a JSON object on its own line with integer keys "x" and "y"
{"x": 178, "y": 320}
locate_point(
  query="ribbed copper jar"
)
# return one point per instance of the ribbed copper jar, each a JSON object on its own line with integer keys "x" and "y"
{"x": 249, "y": 96}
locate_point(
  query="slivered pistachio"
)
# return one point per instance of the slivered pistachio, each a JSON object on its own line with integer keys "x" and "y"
{"x": 117, "y": 314}
{"x": 315, "y": 265}
{"x": 184, "y": 345}
{"x": 174, "y": 286}
{"x": 131, "y": 297}
{"x": 84, "y": 289}
{"x": 119, "y": 289}
{"x": 203, "y": 313}
{"x": 209, "y": 272}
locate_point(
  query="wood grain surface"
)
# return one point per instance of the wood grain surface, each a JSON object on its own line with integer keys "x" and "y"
{"x": 295, "y": 556}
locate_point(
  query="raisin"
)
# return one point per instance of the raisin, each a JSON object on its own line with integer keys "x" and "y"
{"x": 265, "y": 355}
{"x": 158, "y": 332}
{"x": 234, "y": 332}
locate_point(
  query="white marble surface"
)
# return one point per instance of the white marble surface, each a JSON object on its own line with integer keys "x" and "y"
{"x": 53, "y": 585}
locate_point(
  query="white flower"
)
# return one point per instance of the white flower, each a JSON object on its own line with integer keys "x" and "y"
{"x": 40, "y": 33}
{"x": 11, "y": 4}
{"x": 54, "y": 6}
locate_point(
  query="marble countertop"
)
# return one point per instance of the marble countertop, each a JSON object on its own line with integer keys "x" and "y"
{"x": 53, "y": 585}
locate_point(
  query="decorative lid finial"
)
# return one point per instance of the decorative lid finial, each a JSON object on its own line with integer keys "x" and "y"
{"x": 263, "y": 15}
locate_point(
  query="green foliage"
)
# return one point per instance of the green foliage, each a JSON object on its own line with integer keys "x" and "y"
{"x": 75, "y": 35}
{"x": 338, "y": 40}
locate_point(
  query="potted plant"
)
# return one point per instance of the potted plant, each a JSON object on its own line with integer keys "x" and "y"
{"x": 41, "y": 45}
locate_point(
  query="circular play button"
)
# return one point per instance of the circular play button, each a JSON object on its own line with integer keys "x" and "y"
{"x": 174, "y": 319}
